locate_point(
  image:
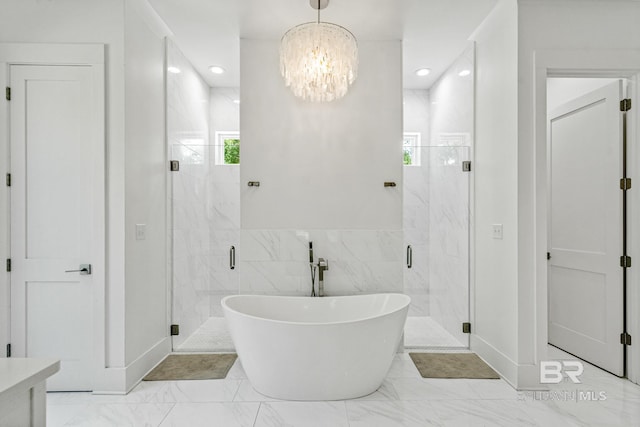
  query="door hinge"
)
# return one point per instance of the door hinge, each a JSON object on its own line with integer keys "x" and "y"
{"x": 175, "y": 329}
{"x": 466, "y": 166}
{"x": 8, "y": 350}
{"x": 625, "y": 184}
{"x": 625, "y": 104}
{"x": 7, "y": 93}
{"x": 625, "y": 338}
{"x": 9, "y": 264}
{"x": 8, "y": 180}
{"x": 548, "y": 255}
{"x": 174, "y": 165}
{"x": 466, "y": 328}
{"x": 625, "y": 261}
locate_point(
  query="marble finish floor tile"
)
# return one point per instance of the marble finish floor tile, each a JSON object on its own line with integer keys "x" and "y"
{"x": 117, "y": 414}
{"x": 198, "y": 391}
{"x": 432, "y": 389}
{"x": 391, "y": 414}
{"x": 209, "y": 414}
{"x": 403, "y": 367}
{"x": 493, "y": 389}
{"x": 58, "y": 415}
{"x": 405, "y": 399}
{"x": 481, "y": 413}
{"x": 246, "y": 393}
{"x": 302, "y": 414}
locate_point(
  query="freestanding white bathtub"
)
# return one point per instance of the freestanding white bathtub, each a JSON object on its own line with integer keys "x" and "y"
{"x": 303, "y": 348}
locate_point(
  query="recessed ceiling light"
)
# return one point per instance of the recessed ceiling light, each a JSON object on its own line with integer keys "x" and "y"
{"x": 236, "y": 101}
{"x": 216, "y": 69}
{"x": 464, "y": 73}
{"x": 174, "y": 70}
{"x": 423, "y": 72}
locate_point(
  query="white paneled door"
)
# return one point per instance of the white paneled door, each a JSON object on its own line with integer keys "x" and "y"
{"x": 585, "y": 279}
{"x": 57, "y": 192}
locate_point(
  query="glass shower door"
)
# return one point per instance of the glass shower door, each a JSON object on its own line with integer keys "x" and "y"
{"x": 436, "y": 228}
{"x": 205, "y": 225}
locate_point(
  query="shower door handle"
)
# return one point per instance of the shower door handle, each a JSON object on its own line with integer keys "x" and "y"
{"x": 232, "y": 258}
{"x": 409, "y": 256}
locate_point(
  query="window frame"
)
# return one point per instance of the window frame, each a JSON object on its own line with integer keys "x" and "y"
{"x": 415, "y": 144}
{"x": 220, "y": 137}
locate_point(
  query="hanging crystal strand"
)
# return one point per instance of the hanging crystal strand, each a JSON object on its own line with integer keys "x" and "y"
{"x": 319, "y": 61}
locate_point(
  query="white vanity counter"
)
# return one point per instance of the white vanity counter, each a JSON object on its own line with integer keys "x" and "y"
{"x": 23, "y": 390}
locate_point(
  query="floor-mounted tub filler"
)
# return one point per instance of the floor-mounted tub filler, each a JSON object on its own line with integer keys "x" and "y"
{"x": 303, "y": 348}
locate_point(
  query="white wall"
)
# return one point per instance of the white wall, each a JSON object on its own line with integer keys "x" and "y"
{"x": 146, "y": 322}
{"x": 496, "y": 190}
{"x": 134, "y": 159}
{"x": 545, "y": 25}
{"x": 321, "y": 169}
{"x": 92, "y": 21}
{"x": 321, "y": 165}
{"x": 224, "y": 111}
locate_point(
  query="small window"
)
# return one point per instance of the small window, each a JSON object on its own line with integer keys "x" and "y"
{"x": 227, "y": 148}
{"x": 411, "y": 148}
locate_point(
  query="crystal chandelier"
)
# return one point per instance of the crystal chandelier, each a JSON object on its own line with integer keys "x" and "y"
{"x": 319, "y": 60}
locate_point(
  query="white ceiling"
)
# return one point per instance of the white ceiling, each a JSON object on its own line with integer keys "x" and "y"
{"x": 434, "y": 32}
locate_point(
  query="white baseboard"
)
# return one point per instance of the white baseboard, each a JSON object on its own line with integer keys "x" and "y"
{"x": 521, "y": 377}
{"x": 529, "y": 378}
{"x": 146, "y": 362}
{"x": 110, "y": 381}
{"x": 507, "y": 368}
{"x": 122, "y": 380}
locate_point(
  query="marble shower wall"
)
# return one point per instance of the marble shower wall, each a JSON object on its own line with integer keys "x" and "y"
{"x": 191, "y": 194}
{"x": 415, "y": 207}
{"x": 225, "y": 205}
{"x": 451, "y": 143}
{"x": 276, "y": 262}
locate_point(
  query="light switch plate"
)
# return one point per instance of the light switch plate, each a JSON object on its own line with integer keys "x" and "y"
{"x": 496, "y": 231}
{"x": 141, "y": 231}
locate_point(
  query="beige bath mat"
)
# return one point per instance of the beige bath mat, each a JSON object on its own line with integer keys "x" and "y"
{"x": 192, "y": 367}
{"x": 452, "y": 365}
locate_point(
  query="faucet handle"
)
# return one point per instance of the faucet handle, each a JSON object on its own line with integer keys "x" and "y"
{"x": 323, "y": 263}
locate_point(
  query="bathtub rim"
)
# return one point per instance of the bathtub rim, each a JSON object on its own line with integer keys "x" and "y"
{"x": 310, "y": 324}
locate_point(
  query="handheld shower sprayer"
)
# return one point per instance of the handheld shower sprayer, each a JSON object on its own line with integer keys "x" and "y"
{"x": 313, "y": 270}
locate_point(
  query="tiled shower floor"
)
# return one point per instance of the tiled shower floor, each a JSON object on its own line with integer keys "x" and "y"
{"x": 424, "y": 332}
{"x": 419, "y": 332}
{"x": 212, "y": 335}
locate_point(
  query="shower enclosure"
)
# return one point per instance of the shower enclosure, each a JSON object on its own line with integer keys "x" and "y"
{"x": 438, "y": 144}
{"x": 204, "y": 201}
{"x": 205, "y": 213}
{"x": 436, "y": 233}
{"x": 206, "y": 226}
